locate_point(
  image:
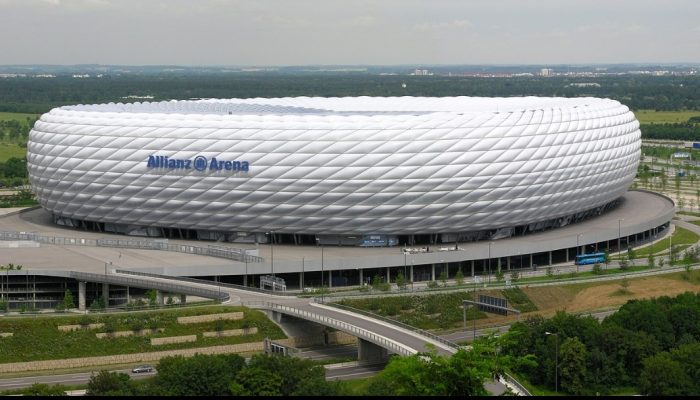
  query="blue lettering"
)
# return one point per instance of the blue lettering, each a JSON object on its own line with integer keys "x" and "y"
{"x": 244, "y": 166}
{"x": 152, "y": 163}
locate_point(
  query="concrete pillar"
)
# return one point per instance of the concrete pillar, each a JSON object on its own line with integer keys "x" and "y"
{"x": 82, "y": 289}
{"x": 361, "y": 278}
{"x": 412, "y": 277}
{"x": 159, "y": 297}
{"x": 128, "y": 297}
{"x": 301, "y": 280}
{"x": 245, "y": 280}
{"x": 530, "y": 260}
{"x": 388, "y": 275}
{"x": 498, "y": 264}
{"x": 567, "y": 254}
{"x": 432, "y": 272}
{"x": 508, "y": 263}
{"x": 473, "y": 268}
{"x": 550, "y": 258}
{"x": 330, "y": 279}
{"x": 183, "y": 298}
{"x": 370, "y": 352}
{"x": 105, "y": 293}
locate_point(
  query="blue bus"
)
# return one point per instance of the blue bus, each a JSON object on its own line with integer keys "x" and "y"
{"x": 583, "y": 259}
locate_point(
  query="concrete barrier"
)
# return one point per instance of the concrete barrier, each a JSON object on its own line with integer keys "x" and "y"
{"x": 232, "y": 332}
{"x": 173, "y": 339}
{"x": 143, "y": 332}
{"x": 209, "y": 317}
{"x": 71, "y": 328}
{"x": 6, "y": 334}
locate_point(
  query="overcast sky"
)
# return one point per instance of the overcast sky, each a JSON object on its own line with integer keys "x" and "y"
{"x": 299, "y": 32}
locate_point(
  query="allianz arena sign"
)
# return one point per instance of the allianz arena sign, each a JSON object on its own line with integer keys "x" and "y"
{"x": 199, "y": 163}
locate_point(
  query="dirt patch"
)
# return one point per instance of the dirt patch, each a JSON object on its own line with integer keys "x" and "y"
{"x": 598, "y": 297}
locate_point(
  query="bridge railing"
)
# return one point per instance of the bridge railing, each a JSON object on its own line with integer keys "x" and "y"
{"x": 517, "y": 384}
{"x": 164, "y": 286}
{"x": 229, "y": 253}
{"x": 205, "y": 282}
{"x": 334, "y": 323}
{"x": 397, "y": 323}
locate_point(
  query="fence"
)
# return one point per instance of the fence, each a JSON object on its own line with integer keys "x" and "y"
{"x": 229, "y": 253}
{"x": 334, "y": 323}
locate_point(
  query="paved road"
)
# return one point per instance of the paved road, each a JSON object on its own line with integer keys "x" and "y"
{"x": 77, "y": 378}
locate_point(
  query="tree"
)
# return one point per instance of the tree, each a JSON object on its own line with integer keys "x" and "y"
{"x": 499, "y": 275}
{"x": 663, "y": 376}
{"x": 650, "y": 261}
{"x": 550, "y": 272}
{"x": 274, "y": 375}
{"x": 459, "y": 277}
{"x": 152, "y": 297}
{"x": 573, "y": 356}
{"x": 631, "y": 255}
{"x": 596, "y": 269}
{"x": 401, "y": 281}
{"x": 514, "y": 276}
{"x": 607, "y": 258}
{"x": 199, "y": 375}
{"x": 443, "y": 278}
{"x": 463, "y": 374}
{"x": 106, "y": 383}
{"x": 379, "y": 284}
{"x": 68, "y": 300}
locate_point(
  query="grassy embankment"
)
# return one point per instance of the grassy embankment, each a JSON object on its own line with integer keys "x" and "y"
{"x": 39, "y": 338}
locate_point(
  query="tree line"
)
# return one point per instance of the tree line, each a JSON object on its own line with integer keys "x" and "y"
{"x": 638, "y": 92}
{"x": 652, "y": 345}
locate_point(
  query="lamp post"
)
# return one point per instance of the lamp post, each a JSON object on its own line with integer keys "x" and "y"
{"x": 272, "y": 254}
{"x": 619, "y": 234}
{"x": 490, "y": 243}
{"x": 556, "y": 361}
{"x": 318, "y": 241}
{"x": 577, "y": 247}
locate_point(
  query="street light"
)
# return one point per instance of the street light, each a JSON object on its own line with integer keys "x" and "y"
{"x": 272, "y": 254}
{"x": 318, "y": 241}
{"x": 577, "y": 247}
{"x": 556, "y": 358}
{"x": 619, "y": 234}
{"x": 490, "y": 243}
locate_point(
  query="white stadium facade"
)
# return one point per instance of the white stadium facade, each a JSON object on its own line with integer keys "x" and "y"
{"x": 360, "y": 171}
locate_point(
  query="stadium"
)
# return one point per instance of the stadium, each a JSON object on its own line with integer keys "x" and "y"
{"x": 353, "y": 171}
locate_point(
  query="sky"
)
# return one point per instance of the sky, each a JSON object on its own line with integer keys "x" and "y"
{"x": 348, "y": 32}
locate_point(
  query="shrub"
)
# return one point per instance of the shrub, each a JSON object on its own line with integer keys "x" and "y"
{"x": 459, "y": 277}
{"x": 596, "y": 269}
{"x": 84, "y": 321}
{"x": 432, "y": 284}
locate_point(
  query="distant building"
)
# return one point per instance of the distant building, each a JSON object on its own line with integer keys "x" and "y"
{"x": 422, "y": 72}
{"x": 546, "y": 72}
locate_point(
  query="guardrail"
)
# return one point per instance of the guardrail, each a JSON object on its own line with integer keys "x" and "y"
{"x": 419, "y": 331}
{"x": 517, "y": 384}
{"x": 164, "y": 286}
{"x": 337, "y": 324}
{"x": 229, "y": 253}
{"x": 205, "y": 282}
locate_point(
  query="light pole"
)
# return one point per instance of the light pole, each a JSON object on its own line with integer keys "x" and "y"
{"x": 272, "y": 254}
{"x": 490, "y": 243}
{"x": 556, "y": 361}
{"x": 245, "y": 257}
{"x": 577, "y": 247}
{"x": 619, "y": 234}
{"x": 670, "y": 251}
{"x": 322, "y": 272}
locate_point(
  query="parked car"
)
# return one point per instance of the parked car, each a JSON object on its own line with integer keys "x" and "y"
{"x": 142, "y": 368}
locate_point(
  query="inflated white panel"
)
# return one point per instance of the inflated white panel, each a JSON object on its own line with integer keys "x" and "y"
{"x": 336, "y": 165}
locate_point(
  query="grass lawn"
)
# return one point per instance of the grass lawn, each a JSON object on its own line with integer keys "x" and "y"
{"x": 660, "y": 117}
{"x": 9, "y": 150}
{"x": 39, "y": 339}
{"x": 680, "y": 237}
